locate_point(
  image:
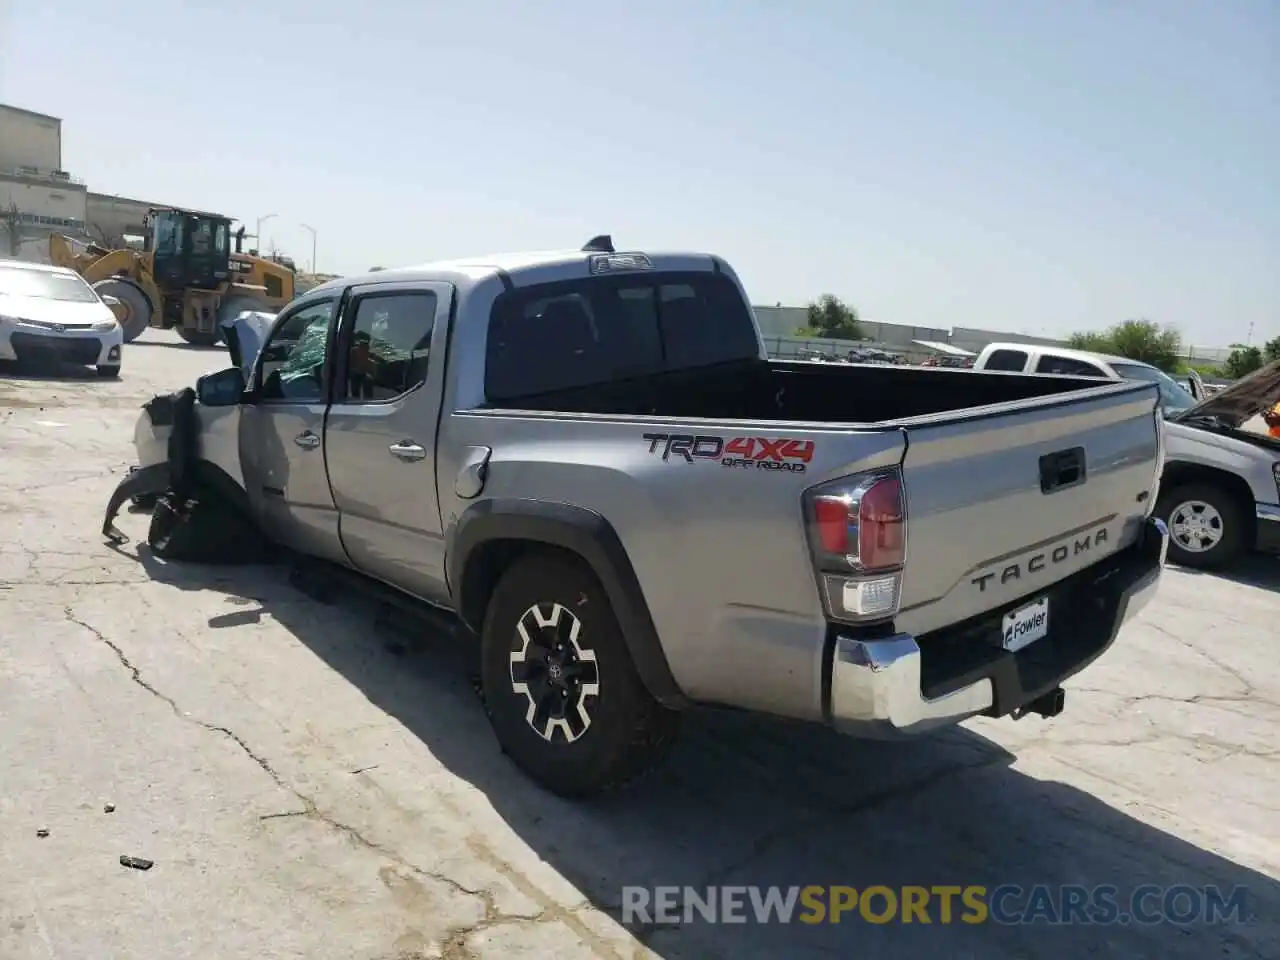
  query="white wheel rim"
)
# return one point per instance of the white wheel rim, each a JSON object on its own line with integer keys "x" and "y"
{"x": 554, "y": 672}
{"x": 1196, "y": 526}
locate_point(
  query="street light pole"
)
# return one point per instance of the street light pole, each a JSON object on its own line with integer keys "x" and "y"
{"x": 312, "y": 231}
{"x": 257, "y": 231}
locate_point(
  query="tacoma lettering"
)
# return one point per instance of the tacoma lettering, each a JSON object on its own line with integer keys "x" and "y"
{"x": 1037, "y": 562}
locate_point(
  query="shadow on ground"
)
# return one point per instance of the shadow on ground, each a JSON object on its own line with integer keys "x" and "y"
{"x": 1254, "y": 570}
{"x": 177, "y": 345}
{"x": 46, "y": 370}
{"x": 748, "y": 800}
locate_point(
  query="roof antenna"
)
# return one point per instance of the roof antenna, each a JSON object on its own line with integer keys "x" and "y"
{"x": 600, "y": 244}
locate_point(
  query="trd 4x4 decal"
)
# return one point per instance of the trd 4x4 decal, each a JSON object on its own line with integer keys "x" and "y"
{"x": 763, "y": 453}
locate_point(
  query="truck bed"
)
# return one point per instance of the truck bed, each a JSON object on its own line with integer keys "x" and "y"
{"x": 806, "y": 392}
{"x": 991, "y": 520}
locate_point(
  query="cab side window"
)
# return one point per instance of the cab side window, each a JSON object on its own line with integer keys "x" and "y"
{"x": 1006, "y": 360}
{"x": 1067, "y": 366}
{"x": 291, "y": 367}
{"x": 201, "y": 237}
{"x": 389, "y": 345}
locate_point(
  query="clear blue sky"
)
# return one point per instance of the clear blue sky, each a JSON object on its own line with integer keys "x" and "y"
{"x": 1025, "y": 165}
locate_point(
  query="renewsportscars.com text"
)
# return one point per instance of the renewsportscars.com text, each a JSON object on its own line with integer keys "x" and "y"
{"x": 1007, "y": 904}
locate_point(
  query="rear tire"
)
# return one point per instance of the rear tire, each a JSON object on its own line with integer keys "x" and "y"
{"x": 137, "y": 309}
{"x": 1206, "y": 526}
{"x": 107, "y": 371}
{"x": 567, "y": 704}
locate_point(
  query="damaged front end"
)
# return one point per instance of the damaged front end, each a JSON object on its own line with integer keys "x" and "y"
{"x": 189, "y": 472}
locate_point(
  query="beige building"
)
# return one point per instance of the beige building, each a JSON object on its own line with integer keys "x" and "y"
{"x": 29, "y": 141}
{"x": 37, "y": 197}
{"x": 109, "y": 219}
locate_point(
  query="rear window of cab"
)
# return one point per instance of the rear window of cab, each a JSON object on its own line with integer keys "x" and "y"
{"x": 575, "y": 333}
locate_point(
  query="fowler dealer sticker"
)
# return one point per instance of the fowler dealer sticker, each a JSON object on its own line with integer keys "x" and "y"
{"x": 1026, "y": 625}
{"x": 755, "y": 453}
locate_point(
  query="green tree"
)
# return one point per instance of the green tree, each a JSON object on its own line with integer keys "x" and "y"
{"x": 1142, "y": 340}
{"x": 1242, "y": 361}
{"x": 1091, "y": 340}
{"x": 1271, "y": 350}
{"x": 829, "y": 317}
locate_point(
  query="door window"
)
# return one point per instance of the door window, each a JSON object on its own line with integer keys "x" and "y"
{"x": 1068, "y": 366}
{"x": 1174, "y": 397}
{"x": 389, "y": 344}
{"x": 292, "y": 365}
{"x": 168, "y": 234}
{"x": 201, "y": 232}
{"x": 1006, "y": 360}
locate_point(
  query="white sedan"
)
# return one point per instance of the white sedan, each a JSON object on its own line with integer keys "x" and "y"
{"x": 50, "y": 313}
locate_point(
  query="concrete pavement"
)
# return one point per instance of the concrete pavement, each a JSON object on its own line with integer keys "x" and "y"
{"x": 304, "y": 792}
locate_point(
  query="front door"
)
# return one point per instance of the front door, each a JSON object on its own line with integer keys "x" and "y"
{"x": 282, "y": 434}
{"x": 380, "y": 437}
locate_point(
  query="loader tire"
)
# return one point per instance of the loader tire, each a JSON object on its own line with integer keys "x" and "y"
{"x": 137, "y": 309}
{"x": 198, "y": 339}
{"x": 228, "y": 309}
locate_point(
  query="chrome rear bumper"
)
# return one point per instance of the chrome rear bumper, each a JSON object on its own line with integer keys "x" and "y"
{"x": 876, "y": 684}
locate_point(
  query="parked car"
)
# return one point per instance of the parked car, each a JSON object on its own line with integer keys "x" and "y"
{"x": 49, "y": 313}
{"x": 1220, "y": 493}
{"x": 588, "y": 458}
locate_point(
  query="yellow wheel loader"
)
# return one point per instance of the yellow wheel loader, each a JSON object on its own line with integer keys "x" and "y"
{"x": 186, "y": 277}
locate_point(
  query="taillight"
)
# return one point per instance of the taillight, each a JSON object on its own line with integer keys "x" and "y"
{"x": 858, "y": 535}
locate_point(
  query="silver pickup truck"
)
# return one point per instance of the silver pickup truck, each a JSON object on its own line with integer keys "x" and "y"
{"x": 588, "y": 458}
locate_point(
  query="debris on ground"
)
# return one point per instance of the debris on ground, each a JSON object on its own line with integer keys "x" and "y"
{"x": 136, "y": 863}
{"x": 109, "y": 808}
{"x": 42, "y": 833}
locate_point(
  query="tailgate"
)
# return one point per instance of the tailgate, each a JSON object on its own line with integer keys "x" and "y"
{"x": 1005, "y": 501}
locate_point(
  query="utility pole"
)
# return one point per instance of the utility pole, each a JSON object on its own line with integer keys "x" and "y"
{"x": 257, "y": 230}
{"x": 312, "y": 231}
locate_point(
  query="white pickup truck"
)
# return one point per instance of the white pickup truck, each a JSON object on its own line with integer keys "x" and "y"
{"x": 1220, "y": 492}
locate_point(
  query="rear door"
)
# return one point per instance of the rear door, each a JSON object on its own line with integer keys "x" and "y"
{"x": 1006, "y": 500}
{"x": 380, "y": 436}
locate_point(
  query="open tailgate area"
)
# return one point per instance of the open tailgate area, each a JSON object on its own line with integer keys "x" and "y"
{"x": 1003, "y": 502}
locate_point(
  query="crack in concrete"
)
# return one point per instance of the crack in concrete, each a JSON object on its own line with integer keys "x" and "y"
{"x": 1229, "y": 670}
{"x": 1227, "y": 701}
{"x": 453, "y": 945}
{"x": 136, "y": 676}
{"x": 1156, "y": 736}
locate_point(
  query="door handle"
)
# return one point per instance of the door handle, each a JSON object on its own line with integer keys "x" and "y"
{"x": 1063, "y": 469}
{"x": 408, "y": 450}
{"x": 307, "y": 440}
